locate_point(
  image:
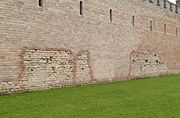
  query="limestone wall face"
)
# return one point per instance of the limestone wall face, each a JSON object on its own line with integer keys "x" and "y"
{"x": 147, "y": 64}
{"x": 50, "y": 68}
{"x": 54, "y": 46}
{"x": 47, "y": 68}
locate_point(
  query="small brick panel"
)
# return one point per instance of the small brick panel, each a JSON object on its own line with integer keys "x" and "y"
{"x": 146, "y": 64}
{"x": 44, "y": 69}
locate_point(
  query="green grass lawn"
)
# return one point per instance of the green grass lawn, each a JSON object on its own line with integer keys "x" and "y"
{"x": 149, "y": 98}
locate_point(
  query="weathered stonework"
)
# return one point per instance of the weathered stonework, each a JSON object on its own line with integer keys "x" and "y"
{"x": 83, "y": 72}
{"x": 54, "y": 45}
{"x": 50, "y": 68}
{"x": 147, "y": 64}
{"x": 46, "y": 68}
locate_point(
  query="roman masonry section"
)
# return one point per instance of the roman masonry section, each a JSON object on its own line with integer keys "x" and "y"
{"x": 48, "y": 44}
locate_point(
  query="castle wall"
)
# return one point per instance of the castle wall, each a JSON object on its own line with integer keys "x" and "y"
{"x": 54, "y": 46}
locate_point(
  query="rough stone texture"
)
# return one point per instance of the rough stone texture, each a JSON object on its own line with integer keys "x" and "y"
{"x": 147, "y": 64}
{"x": 83, "y": 69}
{"x": 54, "y": 46}
{"x": 50, "y": 68}
{"x": 46, "y": 68}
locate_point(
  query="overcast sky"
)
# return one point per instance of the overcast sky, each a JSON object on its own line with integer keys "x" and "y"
{"x": 174, "y": 1}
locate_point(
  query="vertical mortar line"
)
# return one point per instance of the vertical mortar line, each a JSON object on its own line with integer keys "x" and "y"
{"x": 83, "y": 36}
{"x": 22, "y": 66}
{"x": 74, "y": 64}
{"x": 130, "y": 66}
{"x": 90, "y": 66}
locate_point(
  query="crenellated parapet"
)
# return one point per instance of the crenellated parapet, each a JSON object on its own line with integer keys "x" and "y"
{"x": 166, "y": 5}
{"x": 178, "y": 3}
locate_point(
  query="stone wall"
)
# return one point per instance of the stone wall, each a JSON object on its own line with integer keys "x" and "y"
{"x": 147, "y": 64}
{"x": 53, "y": 45}
{"x": 45, "y": 68}
{"x": 50, "y": 68}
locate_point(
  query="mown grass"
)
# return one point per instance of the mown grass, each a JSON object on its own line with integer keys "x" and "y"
{"x": 149, "y": 98}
